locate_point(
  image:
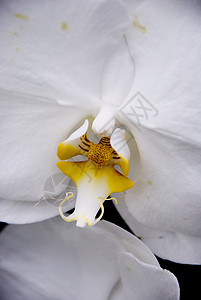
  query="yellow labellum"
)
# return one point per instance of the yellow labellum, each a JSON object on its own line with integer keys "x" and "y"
{"x": 95, "y": 178}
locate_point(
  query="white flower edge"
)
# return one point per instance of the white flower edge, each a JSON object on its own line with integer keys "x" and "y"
{"x": 173, "y": 245}
{"x": 61, "y": 258}
{"x": 165, "y": 201}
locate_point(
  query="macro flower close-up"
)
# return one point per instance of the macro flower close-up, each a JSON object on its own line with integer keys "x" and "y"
{"x": 99, "y": 103}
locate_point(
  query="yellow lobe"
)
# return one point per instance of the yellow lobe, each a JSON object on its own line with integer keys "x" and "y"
{"x": 117, "y": 182}
{"x": 95, "y": 178}
{"x": 74, "y": 170}
{"x": 66, "y": 151}
{"x": 97, "y": 175}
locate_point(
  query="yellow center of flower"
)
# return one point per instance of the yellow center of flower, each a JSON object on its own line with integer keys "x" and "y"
{"x": 100, "y": 153}
{"x": 95, "y": 178}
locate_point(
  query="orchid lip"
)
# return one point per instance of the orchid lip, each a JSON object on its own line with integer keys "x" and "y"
{"x": 95, "y": 178}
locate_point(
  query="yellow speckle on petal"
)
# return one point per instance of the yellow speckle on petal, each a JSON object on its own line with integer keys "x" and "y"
{"x": 148, "y": 197}
{"x": 20, "y": 26}
{"x": 64, "y": 26}
{"x": 138, "y": 26}
{"x": 13, "y": 33}
{"x": 17, "y": 49}
{"x": 128, "y": 269}
{"x": 149, "y": 182}
{"x": 22, "y": 17}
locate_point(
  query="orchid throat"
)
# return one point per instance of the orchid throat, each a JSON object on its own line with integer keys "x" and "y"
{"x": 95, "y": 178}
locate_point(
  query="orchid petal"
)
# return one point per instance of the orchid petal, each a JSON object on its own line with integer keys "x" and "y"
{"x": 118, "y": 75}
{"x": 58, "y": 51}
{"x": 119, "y": 144}
{"x": 166, "y": 215}
{"x": 64, "y": 258}
{"x": 30, "y": 134}
{"x": 117, "y": 79}
{"x": 175, "y": 246}
{"x": 22, "y": 212}
{"x": 167, "y": 193}
{"x": 145, "y": 286}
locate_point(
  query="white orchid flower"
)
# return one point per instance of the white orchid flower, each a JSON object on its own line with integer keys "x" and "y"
{"x": 36, "y": 263}
{"x": 64, "y": 63}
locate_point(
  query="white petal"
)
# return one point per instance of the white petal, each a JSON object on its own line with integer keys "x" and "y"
{"x": 166, "y": 195}
{"x": 172, "y": 245}
{"x": 146, "y": 282}
{"x": 131, "y": 243}
{"x": 30, "y": 133}
{"x": 22, "y": 212}
{"x": 58, "y": 50}
{"x": 166, "y": 75}
{"x": 118, "y": 75}
{"x": 119, "y": 144}
{"x": 167, "y": 192}
{"x": 117, "y": 79}
{"x": 46, "y": 259}
{"x": 78, "y": 133}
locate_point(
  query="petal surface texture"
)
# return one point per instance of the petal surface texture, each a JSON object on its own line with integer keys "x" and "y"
{"x": 51, "y": 260}
{"x": 30, "y": 132}
{"x": 117, "y": 80}
{"x": 118, "y": 75}
{"x": 58, "y": 51}
{"x": 166, "y": 199}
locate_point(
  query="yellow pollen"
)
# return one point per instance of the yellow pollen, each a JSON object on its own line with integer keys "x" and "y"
{"x": 22, "y": 17}
{"x": 64, "y": 25}
{"x": 100, "y": 154}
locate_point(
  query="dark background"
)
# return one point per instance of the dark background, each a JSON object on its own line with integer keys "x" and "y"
{"x": 188, "y": 275}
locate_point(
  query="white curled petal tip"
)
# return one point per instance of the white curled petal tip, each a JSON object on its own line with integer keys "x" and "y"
{"x": 79, "y": 132}
{"x": 118, "y": 142}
